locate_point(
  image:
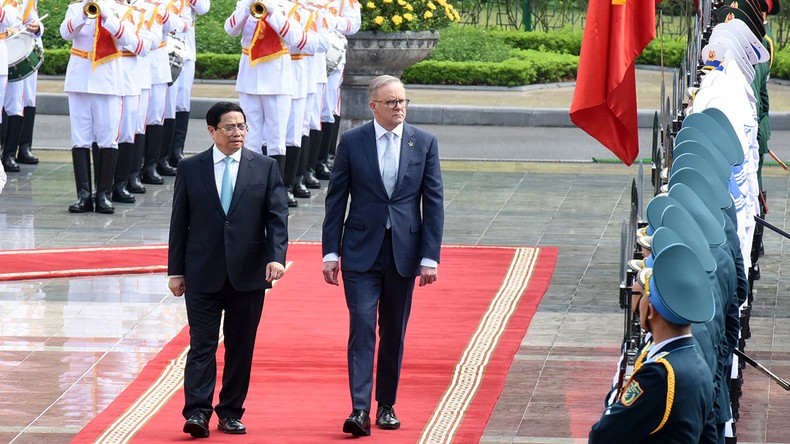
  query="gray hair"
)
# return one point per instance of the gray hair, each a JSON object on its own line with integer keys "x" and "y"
{"x": 380, "y": 82}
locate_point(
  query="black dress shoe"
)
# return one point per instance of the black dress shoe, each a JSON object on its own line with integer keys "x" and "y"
{"x": 323, "y": 172}
{"x": 301, "y": 191}
{"x": 231, "y": 426}
{"x": 164, "y": 169}
{"x": 292, "y": 200}
{"x": 386, "y": 419}
{"x": 197, "y": 425}
{"x": 358, "y": 424}
{"x": 10, "y": 165}
{"x": 310, "y": 181}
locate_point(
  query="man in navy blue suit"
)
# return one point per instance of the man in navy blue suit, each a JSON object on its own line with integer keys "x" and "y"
{"x": 228, "y": 240}
{"x": 391, "y": 233}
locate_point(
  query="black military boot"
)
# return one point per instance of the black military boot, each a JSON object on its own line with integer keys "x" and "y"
{"x": 333, "y": 135}
{"x": 108, "y": 157}
{"x": 119, "y": 191}
{"x": 308, "y": 175}
{"x": 163, "y": 166}
{"x": 25, "y": 152}
{"x": 179, "y": 137}
{"x": 281, "y": 161}
{"x": 317, "y": 154}
{"x": 292, "y": 157}
{"x": 13, "y": 132}
{"x": 134, "y": 185}
{"x": 81, "y": 161}
{"x": 153, "y": 140}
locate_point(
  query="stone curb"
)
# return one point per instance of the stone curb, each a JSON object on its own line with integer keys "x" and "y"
{"x": 57, "y": 104}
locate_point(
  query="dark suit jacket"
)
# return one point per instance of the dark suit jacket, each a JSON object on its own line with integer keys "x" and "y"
{"x": 416, "y": 208}
{"x": 206, "y": 246}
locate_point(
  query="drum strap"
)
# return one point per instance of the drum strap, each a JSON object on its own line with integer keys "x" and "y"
{"x": 28, "y": 9}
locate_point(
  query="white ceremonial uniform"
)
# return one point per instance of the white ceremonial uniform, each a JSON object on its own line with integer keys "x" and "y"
{"x": 93, "y": 86}
{"x": 159, "y": 60}
{"x": 8, "y": 18}
{"x": 135, "y": 73}
{"x": 347, "y": 20}
{"x": 300, "y": 62}
{"x": 17, "y": 94}
{"x": 265, "y": 79}
{"x": 179, "y": 93}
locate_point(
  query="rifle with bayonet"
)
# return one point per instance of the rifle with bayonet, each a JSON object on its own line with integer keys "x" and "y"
{"x": 632, "y": 329}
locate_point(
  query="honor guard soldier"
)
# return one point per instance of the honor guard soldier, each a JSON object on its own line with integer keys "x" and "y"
{"x": 20, "y": 98}
{"x": 297, "y": 143}
{"x": 177, "y": 103}
{"x": 8, "y": 19}
{"x": 347, "y": 20}
{"x": 160, "y": 78}
{"x": 669, "y": 397}
{"x": 93, "y": 76}
{"x": 265, "y": 79}
{"x": 135, "y": 68}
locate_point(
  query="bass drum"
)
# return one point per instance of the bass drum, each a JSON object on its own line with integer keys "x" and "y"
{"x": 25, "y": 56}
{"x": 336, "y": 54}
{"x": 177, "y": 51}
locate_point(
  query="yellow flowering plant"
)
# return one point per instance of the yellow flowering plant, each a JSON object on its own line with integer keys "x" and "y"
{"x": 407, "y": 15}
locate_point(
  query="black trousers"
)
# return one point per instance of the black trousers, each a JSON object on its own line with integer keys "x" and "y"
{"x": 242, "y": 315}
{"x": 382, "y": 293}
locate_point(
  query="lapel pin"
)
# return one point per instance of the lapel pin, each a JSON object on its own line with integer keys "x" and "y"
{"x": 411, "y": 143}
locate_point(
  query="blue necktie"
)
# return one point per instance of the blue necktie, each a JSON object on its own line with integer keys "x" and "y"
{"x": 389, "y": 169}
{"x": 226, "y": 193}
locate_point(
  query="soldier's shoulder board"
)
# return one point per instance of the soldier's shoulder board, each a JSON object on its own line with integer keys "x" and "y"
{"x": 631, "y": 393}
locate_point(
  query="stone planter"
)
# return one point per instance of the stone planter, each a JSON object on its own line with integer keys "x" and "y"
{"x": 371, "y": 54}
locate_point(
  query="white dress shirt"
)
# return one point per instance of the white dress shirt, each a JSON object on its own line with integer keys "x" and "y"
{"x": 219, "y": 168}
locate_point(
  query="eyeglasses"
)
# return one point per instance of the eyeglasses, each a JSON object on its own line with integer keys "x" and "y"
{"x": 230, "y": 129}
{"x": 392, "y": 104}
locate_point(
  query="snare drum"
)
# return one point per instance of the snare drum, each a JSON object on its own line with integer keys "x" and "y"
{"x": 177, "y": 51}
{"x": 336, "y": 54}
{"x": 25, "y": 56}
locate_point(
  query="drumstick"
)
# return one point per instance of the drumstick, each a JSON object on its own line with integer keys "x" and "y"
{"x": 777, "y": 159}
{"x": 41, "y": 19}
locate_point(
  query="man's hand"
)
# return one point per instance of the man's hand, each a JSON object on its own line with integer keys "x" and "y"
{"x": 177, "y": 286}
{"x": 274, "y": 271}
{"x": 428, "y": 275}
{"x": 33, "y": 27}
{"x": 331, "y": 269}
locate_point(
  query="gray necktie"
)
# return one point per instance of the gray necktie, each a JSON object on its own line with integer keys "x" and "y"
{"x": 389, "y": 168}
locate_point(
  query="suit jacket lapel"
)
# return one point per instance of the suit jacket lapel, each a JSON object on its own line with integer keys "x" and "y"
{"x": 406, "y": 149}
{"x": 369, "y": 135}
{"x": 245, "y": 172}
{"x": 207, "y": 174}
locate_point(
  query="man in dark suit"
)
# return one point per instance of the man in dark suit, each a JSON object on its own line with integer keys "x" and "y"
{"x": 391, "y": 233}
{"x": 228, "y": 239}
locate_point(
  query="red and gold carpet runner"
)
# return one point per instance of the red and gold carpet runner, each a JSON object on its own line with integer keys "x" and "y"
{"x": 462, "y": 336}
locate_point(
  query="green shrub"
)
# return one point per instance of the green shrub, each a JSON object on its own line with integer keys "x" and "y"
{"x": 564, "y": 42}
{"x": 781, "y": 66}
{"x": 512, "y": 72}
{"x": 55, "y": 62}
{"x": 217, "y": 66}
{"x": 673, "y": 53}
{"x": 469, "y": 44}
{"x": 549, "y": 67}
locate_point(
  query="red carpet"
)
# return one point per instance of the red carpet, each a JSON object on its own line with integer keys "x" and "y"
{"x": 462, "y": 336}
{"x": 91, "y": 261}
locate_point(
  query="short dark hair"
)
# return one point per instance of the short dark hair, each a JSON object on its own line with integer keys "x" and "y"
{"x": 219, "y": 109}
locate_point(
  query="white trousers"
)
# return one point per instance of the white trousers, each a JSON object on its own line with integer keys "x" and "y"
{"x": 156, "y": 104}
{"x": 94, "y": 118}
{"x": 267, "y": 116}
{"x": 129, "y": 118}
{"x": 296, "y": 123}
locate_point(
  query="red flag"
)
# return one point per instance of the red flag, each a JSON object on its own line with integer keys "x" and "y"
{"x": 604, "y": 101}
